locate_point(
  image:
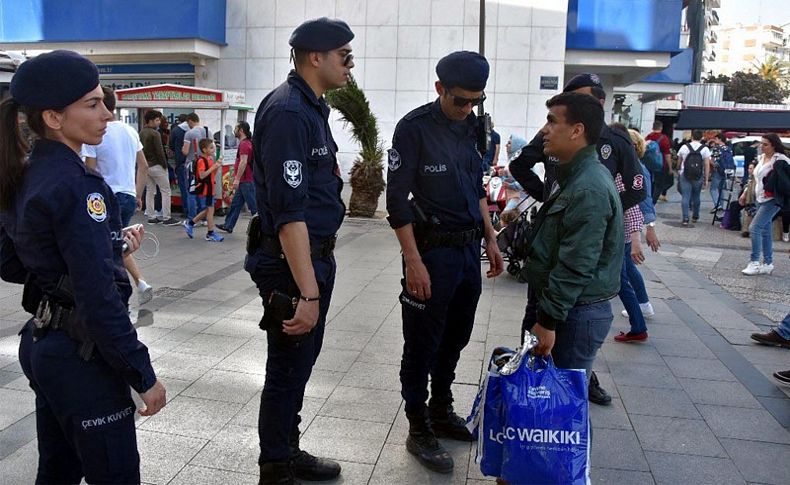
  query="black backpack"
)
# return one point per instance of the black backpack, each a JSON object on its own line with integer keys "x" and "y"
{"x": 197, "y": 185}
{"x": 693, "y": 163}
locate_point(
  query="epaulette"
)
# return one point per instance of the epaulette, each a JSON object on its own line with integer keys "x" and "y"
{"x": 294, "y": 100}
{"x": 417, "y": 112}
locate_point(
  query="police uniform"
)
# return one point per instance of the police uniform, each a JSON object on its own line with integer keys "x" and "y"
{"x": 436, "y": 160}
{"x": 63, "y": 239}
{"x": 297, "y": 179}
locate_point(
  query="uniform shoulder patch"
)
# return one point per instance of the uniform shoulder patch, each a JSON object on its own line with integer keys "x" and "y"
{"x": 292, "y": 173}
{"x": 97, "y": 208}
{"x": 393, "y": 159}
{"x": 606, "y": 151}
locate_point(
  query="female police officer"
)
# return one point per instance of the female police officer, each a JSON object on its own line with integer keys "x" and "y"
{"x": 61, "y": 235}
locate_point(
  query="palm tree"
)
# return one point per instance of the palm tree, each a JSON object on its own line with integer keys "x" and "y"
{"x": 773, "y": 69}
{"x": 367, "y": 180}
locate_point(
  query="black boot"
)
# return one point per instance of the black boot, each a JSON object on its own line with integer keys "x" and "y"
{"x": 422, "y": 444}
{"x": 276, "y": 473}
{"x": 445, "y": 423}
{"x": 596, "y": 393}
{"x": 308, "y": 467}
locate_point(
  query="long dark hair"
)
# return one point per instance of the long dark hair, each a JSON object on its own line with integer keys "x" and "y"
{"x": 13, "y": 148}
{"x": 245, "y": 128}
{"x": 774, "y": 140}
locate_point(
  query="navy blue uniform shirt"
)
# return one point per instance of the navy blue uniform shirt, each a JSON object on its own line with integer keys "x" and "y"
{"x": 65, "y": 221}
{"x": 296, "y": 175}
{"x": 616, "y": 151}
{"x": 436, "y": 160}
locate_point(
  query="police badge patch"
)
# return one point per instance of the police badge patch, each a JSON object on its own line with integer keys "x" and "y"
{"x": 97, "y": 209}
{"x": 606, "y": 151}
{"x": 292, "y": 173}
{"x": 393, "y": 159}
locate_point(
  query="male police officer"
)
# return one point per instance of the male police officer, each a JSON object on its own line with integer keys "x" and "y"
{"x": 615, "y": 151}
{"x": 434, "y": 158}
{"x": 297, "y": 185}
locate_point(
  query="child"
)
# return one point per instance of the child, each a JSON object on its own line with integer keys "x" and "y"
{"x": 205, "y": 169}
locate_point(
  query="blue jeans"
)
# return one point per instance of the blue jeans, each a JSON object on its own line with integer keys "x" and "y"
{"x": 578, "y": 339}
{"x": 245, "y": 194}
{"x": 761, "y": 233}
{"x": 128, "y": 205}
{"x": 690, "y": 192}
{"x": 635, "y": 277}
{"x": 187, "y": 200}
{"x": 628, "y": 295}
{"x": 784, "y": 328}
{"x": 716, "y": 184}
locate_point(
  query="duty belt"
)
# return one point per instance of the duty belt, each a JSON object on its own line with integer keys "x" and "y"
{"x": 434, "y": 238}
{"x": 271, "y": 246}
{"x": 50, "y": 316}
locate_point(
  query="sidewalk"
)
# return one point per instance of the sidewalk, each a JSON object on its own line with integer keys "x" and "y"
{"x": 693, "y": 405}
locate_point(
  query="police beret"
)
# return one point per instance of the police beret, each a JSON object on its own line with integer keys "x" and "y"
{"x": 464, "y": 69}
{"x": 321, "y": 35}
{"x": 583, "y": 81}
{"x": 53, "y": 80}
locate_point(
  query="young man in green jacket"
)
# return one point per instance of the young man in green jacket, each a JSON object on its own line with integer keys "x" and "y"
{"x": 575, "y": 257}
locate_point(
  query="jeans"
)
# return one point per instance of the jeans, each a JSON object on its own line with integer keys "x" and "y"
{"x": 760, "y": 231}
{"x": 128, "y": 205}
{"x": 245, "y": 194}
{"x": 784, "y": 328}
{"x": 690, "y": 192}
{"x": 187, "y": 200}
{"x": 716, "y": 185}
{"x": 628, "y": 294}
{"x": 578, "y": 339}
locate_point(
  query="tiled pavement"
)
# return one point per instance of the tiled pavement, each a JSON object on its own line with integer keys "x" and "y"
{"x": 692, "y": 405}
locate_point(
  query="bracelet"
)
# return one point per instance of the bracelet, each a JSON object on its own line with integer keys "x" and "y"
{"x": 307, "y": 298}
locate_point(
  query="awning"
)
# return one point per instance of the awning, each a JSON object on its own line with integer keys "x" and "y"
{"x": 733, "y": 119}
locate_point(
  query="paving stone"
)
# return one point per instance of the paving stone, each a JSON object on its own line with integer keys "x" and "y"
{"x": 373, "y": 376}
{"x": 763, "y": 354}
{"x": 719, "y": 392}
{"x": 673, "y": 435}
{"x": 19, "y": 468}
{"x": 17, "y": 435}
{"x": 635, "y": 354}
{"x": 612, "y": 416}
{"x": 682, "y": 348}
{"x": 643, "y": 375}
{"x": 360, "y": 444}
{"x": 249, "y": 358}
{"x": 745, "y": 424}
{"x": 163, "y": 455}
{"x": 338, "y": 360}
{"x": 362, "y": 404}
{"x": 225, "y": 386}
{"x": 197, "y": 418}
{"x": 233, "y": 328}
{"x": 188, "y": 367}
{"x": 217, "y": 346}
{"x": 760, "y": 462}
{"x": 197, "y": 475}
{"x": 345, "y": 339}
{"x": 397, "y": 465}
{"x": 248, "y": 416}
{"x": 657, "y": 402}
{"x": 322, "y": 383}
{"x": 234, "y": 448}
{"x": 699, "y": 369}
{"x": 352, "y": 474}
{"x": 16, "y": 405}
{"x": 672, "y": 469}
{"x": 616, "y": 448}
{"x": 608, "y": 476}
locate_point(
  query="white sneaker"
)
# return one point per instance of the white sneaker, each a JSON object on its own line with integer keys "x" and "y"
{"x": 647, "y": 310}
{"x": 145, "y": 292}
{"x": 786, "y": 236}
{"x": 753, "y": 268}
{"x": 766, "y": 268}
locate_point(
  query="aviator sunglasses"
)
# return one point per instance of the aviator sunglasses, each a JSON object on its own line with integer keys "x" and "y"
{"x": 460, "y": 101}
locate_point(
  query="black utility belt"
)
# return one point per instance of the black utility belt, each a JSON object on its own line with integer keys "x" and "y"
{"x": 51, "y": 316}
{"x": 318, "y": 250}
{"x": 434, "y": 238}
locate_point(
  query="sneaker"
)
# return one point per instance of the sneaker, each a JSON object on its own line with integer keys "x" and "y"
{"x": 203, "y": 223}
{"x": 685, "y": 222}
{"x": 214, "y": 237}
{"x": 766, "y": 268}
{"x": 662, "y": 198}
{"x": 647, "y": 310}
{"x": 783, "y": 376}
{"x": 631, "y": 337}
{"x": 752, "y": 269}
{"x": 153, "y": 220}
{"x": 145, "y": 292}
{"x": 694, "y": 220}
{"x": 222, "y": 228}
{"x": 171, "y": 222}
{"x": 786, "y": 236}
{"x": 189, "y": 229}
{"x": 597, "y": 394}
{"x": 771, "y": 338}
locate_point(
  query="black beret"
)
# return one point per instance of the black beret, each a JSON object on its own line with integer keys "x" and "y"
{"x": 321, "y": 35}
{"x": 464, "y": 69}
{"x": 583, "y": 81}
{"x": 53, "y": 80}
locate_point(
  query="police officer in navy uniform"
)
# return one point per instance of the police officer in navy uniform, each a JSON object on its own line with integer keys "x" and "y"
{"x": 615, "y": 151}
{"x": 434, "y": 158}
{"x": 297, "y": 187}
{"x": 61, "y": 236}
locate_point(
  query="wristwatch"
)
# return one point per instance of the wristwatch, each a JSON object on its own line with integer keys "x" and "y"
{"x": 651, "y": 224}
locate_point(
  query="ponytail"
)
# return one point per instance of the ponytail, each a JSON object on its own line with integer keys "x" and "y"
{"x": 13, "y": 148}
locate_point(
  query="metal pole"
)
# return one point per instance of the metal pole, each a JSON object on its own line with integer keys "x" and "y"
{"x": 482, "y": 43}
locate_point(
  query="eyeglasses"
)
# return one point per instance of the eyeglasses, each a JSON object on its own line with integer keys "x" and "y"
{"x": 461, "y": 101}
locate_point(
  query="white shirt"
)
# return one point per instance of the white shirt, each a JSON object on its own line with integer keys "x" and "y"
{"x": 116, "y": 157}
{"x": 760, "y": 171}
{"x": 684, "y": 151}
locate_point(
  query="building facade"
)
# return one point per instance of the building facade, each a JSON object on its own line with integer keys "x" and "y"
{"x": 744, "y": 47}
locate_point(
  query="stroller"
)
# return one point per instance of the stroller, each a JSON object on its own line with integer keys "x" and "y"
{"x": 496, "y": 195}
{"x": 512, "y": 238}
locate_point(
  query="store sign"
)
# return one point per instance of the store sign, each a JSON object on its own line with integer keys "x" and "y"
{"x": 171, "y": 94}
{"x": 549, "y": 82}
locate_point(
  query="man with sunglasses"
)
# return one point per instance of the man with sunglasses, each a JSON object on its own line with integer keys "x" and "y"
{"x": 434, "y": 158}
{"x": 290, "y": 253}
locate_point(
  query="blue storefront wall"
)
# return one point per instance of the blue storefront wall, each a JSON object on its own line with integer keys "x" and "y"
{"x": 679, "y": 71}
{"x": 26, "y": 21}
{"x": 624, "y": 25}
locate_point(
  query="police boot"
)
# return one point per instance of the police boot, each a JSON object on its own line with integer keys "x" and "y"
{"x": 422, "y": 444}
{"x": 444, "y": 421}
{"x": 597, "y": 394}
{"x": 276, "y": 473}
{"x": 308, "y": 467}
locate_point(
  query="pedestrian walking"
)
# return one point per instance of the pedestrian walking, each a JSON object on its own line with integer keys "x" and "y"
{"x": 205, "y": 188}
{"x": 158, "y": 177}
{"x": 61, "y": 236}
{"x": 290, "y": 253}
{"x": 694, "y": 169}
{"x": 243, "y": 186}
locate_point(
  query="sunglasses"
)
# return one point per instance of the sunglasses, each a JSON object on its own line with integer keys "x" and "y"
{"x": 460, "y": 102}
{"x": 347, "y": 58}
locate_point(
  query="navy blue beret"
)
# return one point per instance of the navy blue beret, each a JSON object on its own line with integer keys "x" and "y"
{"x": 583, "y": 81}
{"x": 54, "y": 80}
{"x": 321, "y": 35}
{"x": 464, "y": 69}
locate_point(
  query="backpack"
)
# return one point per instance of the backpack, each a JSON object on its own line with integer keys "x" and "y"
{"x": 197, "y": 185}
{"x": 726, "y": 160}
{"x": 693, "y": 163}
{"x": 652, "y": 158}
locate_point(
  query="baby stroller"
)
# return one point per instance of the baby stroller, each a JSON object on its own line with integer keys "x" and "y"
{"x": 512, "y": 238}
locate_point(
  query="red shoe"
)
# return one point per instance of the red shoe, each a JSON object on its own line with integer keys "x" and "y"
{"x": 631, "y": 337}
